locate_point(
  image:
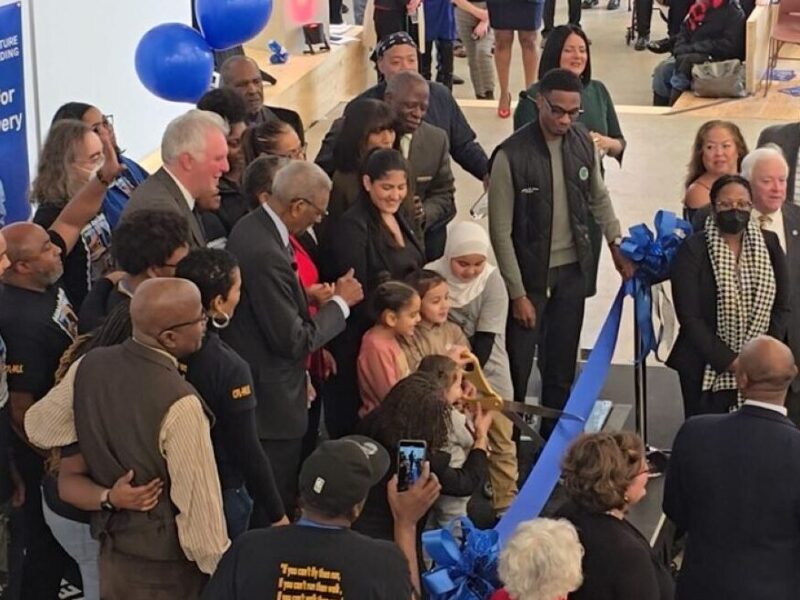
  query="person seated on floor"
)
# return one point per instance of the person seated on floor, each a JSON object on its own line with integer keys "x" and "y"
{"x": 320, "y": 549}
{"x": 718, "y": 150}
{"x": 121, "y": 188}
{"x": 242, "y": 75}
{"x": 712, "y": 31}
{"x": 147, "y": 244}
{"x": 398, "y": 53}
{"x": 541, "y": 561}
{"x": 230, "y": 106}
{"x": 604, "y": 475}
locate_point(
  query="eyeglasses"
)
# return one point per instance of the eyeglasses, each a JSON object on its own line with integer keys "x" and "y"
{"x": 320, "y": 213}
{"x": 559, "y": 112}
{"x": 203, "y": 318}
{"x": 107, "y": 122}
{"x": 723, "y": 206}
{"x": 298, "y": 153}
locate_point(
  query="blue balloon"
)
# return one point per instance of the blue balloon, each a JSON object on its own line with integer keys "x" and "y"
{"x": 228, "y": 23}
{"x": 175, "y": 63}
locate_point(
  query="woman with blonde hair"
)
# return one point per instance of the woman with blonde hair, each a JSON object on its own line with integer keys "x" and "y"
{"x": 604, "y": 474}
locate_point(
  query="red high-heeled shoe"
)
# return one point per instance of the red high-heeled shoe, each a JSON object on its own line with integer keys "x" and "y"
{"x": 504, "y": 113}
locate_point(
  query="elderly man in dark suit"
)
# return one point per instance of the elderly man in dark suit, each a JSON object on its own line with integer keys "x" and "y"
{"x": 194, "y": 151}
{"x": 787, "y": 137}
{"x": 272, "y": 328}
{"x": 733, "y": 484}
{"x": 767, "y": 171}
{"x": 426, "y": 149}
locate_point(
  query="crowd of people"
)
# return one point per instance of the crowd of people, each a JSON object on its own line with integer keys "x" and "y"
{"x": 209, "y": 371}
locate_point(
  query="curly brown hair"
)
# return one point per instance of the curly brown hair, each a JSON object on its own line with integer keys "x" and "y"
{"x": 695, "y": 168}
{"x": 598, "y": 468}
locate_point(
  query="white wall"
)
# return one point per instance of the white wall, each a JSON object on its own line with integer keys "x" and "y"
{"x": 85, "y": 52}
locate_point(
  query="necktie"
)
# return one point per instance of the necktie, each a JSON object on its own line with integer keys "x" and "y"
{"x": 405, "y": 145}
{"x": 764, "y": 221}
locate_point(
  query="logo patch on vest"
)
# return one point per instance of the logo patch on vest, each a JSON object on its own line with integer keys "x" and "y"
{"x": 583, "y": 173}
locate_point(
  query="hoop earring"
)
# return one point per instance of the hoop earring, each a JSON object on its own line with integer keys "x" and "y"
{"x": 220, "y": 323}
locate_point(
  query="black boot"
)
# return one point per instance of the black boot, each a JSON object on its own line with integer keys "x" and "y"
{"x": 660, "y": 100}
{"x": 641, "y": 42}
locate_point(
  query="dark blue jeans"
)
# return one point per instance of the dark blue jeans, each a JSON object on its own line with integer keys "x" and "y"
{"x": 238, "y": 506}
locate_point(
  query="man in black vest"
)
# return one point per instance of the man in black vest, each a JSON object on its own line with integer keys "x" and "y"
{"x": 545, "y": 180}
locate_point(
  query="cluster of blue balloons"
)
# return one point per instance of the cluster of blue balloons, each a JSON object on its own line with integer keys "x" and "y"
{"x": 176, "y": 62}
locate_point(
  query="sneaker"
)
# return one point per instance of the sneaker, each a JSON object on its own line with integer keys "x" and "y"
{"x": 589, "y": 3}
{"x": 458, "y": 80}
{"x": 612, "y": 4}
{"x": 641, "y": 43}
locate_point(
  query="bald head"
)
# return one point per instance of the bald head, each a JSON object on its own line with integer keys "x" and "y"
{"x": 167, "y": 312}
{"x": 241, "y": 74}
{"x": 35, "y": 262}
{"x": 766, "y": 369}
{"x": 23, "y": 239}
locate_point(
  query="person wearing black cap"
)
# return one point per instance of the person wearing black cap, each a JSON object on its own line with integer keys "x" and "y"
{"x": 397, "y": 53}
{"x": 320, "y": 553}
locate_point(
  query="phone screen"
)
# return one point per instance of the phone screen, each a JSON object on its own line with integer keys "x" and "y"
{"x": 411, "y": 454}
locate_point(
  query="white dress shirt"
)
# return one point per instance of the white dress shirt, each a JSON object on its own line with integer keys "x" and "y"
{"x": 768, "y": 406}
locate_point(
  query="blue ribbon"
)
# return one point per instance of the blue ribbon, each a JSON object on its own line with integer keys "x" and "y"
{"x": 279, "y": 54}
{"x": 653, "y": 255}
{"x": 468, "y": 571}
{"x": 540, "y": 484}
{"x": 465, "y": 570}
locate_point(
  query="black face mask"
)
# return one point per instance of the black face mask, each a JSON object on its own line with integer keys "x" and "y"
{"x": 733, "y": 221}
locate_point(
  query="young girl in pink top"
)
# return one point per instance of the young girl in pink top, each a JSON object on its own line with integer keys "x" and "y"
{"x": 381, "y": 362}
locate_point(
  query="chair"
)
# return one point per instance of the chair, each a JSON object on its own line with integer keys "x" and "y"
{"x": 786, "y": 30}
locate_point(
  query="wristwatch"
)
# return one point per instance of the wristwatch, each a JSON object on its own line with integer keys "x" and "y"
{"x": 105, "y": 502}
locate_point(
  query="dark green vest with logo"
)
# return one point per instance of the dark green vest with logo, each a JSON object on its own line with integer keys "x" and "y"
{"x": 532, "y": 178}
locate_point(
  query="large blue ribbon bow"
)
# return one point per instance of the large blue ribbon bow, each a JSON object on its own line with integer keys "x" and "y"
{"x": 653, "y": 255}
{"x": 466, "y": 569}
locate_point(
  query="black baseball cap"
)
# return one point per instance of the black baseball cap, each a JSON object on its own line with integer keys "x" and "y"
{"x": 339, "y": 473}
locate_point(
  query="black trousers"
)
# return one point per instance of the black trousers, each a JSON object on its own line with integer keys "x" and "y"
{"x": 45, "y": 562}
{"x": 678, "y": 9}
{"x": 559, "y": 319}
{"x": 284, "y": 457}
{"x": 444, "y": 62}
{"x": 574, "y": 15}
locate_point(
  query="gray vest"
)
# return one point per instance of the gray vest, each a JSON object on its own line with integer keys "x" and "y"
{"x": 122, "y": 395}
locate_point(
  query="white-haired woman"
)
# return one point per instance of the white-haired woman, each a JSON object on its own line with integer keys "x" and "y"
{"x": 541, "y": 561}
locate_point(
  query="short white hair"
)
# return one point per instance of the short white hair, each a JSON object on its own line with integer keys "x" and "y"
{"x": 755, "y": 157}
{"x": 542, "y": 560}
{"x": 188, "y": 133}
{"x": 299, "y": 179}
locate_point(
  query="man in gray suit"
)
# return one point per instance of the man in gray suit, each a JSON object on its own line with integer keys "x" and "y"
{"x": 787, "y": 137}
{"x": 272, "y": 328}
{"x": 427, "y": 150}
{"x": 766, "y": 170}
{"x": 194, "y": 151}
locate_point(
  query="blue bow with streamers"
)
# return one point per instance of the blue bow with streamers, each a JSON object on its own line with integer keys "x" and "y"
{"x": 279, "y": 54}
{"x": 653, "y": 255}
{"x": 465, "y": 570}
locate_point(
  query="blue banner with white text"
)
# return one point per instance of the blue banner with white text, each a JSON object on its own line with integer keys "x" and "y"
{"x": 14, "y": 177}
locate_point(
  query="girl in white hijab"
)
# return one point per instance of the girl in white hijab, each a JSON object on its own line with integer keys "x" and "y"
{"x": 479, "y": 305}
